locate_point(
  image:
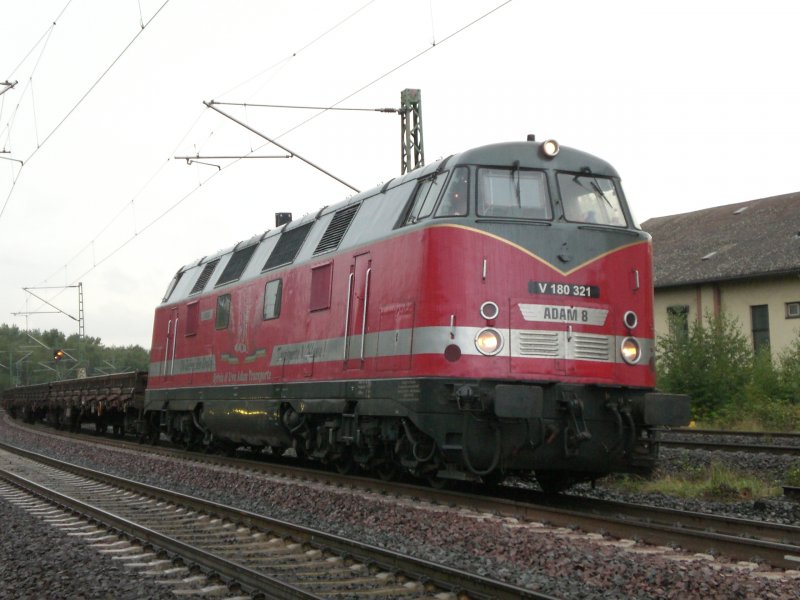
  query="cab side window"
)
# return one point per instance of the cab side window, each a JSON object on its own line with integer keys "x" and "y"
{"x": 223, "y": 316}
{"x": 425, "y": 197}
{"x": 272, "y": 299}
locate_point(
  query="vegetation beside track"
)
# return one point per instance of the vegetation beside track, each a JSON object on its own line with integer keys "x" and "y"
{"x": 714, "y": 482}
{"x": 731, "y": 387}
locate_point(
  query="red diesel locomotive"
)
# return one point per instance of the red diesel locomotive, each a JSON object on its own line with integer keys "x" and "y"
{"x": 488, "y": 314}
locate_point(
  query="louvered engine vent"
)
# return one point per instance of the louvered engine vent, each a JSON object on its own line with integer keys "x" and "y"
{"x": 336, "y": 229}
{"x": 201, "y": 282}
{"x": 287, "y": 247}
{"x": 236, "y": 265}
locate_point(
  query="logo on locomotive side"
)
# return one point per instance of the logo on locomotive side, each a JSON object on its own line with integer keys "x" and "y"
{"x": 563, "y": 314}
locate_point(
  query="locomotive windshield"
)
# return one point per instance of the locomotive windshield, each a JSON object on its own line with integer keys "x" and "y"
{"x": 514, "y": 193}
{"x": 455, "y": 201}
{"x": 590, "y": 199}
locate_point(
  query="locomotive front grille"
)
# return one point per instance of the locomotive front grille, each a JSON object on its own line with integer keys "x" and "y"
{"x": 544, "y": 344}
{"x": 562, "y": 344}
{"x": 591, "y": 347}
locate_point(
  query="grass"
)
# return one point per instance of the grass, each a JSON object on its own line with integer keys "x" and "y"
{"x": 716, "y": 482}
{"x": 740, "y": 424}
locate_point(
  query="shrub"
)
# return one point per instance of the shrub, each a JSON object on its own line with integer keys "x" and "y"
{"x": 793, "y": 475}
{"x": 713, "y": 363}
{"x": 789, "y": 371}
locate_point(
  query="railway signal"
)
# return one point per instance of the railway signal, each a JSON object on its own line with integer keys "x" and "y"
{"x": 58, "y": 355}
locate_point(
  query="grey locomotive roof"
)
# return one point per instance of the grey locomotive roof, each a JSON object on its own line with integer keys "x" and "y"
{"x": 373, "y": 218}
{"x": 749, "y": 239}
{"x": 504, "y": 154}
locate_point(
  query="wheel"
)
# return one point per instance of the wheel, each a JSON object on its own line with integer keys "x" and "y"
{"x": 387, "y": 471}
{"x": 438, "y": 483}
{"x": 154, "y": 435}
{"x": 344, "y": 465}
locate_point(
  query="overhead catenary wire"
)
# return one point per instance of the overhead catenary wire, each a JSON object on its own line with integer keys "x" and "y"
{"x": 256, "y": 105}
{"x": 216, "y": 173}
{"x": 223, "y": 168}
{"x": 39, "y": 41}
{"x": 296, "y": 52}
{"x": 272, "y": 141}
{"x": 77, "y": 104}
{"x": 186, "y": 134}
{"x": 29, "y": 86}
{"x": 397, "y": 68}
{"x": 129, "y": 204}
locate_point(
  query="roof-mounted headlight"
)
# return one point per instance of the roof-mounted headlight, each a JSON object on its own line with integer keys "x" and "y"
{"x": 550, "y": 148}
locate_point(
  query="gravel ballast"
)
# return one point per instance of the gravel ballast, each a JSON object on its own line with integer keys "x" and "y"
{"x": 38, "y": 561}
{"x": 561, "y": 563}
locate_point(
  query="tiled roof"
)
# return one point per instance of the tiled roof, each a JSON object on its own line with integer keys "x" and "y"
{"x": 749, "y": 239}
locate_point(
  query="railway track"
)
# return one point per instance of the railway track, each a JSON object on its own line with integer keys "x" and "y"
{"x": 738, "y": 539}
{"x": 732, "y": 441}
{"x": 257, "y": 554}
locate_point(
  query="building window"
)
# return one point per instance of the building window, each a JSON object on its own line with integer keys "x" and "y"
{"x": 272, "y": 299}
{"x": 759, "y": 317}
{"x": 223, "y": 311}
{"x": 321, "y": 278}
{"x": 678, "y": 321}
{"x": 793, "y": 310}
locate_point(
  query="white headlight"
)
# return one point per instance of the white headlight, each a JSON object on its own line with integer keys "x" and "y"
{"x": 489, "y": 341}
{"x": 630, "y": 350}
{"x": 550, "y": 148}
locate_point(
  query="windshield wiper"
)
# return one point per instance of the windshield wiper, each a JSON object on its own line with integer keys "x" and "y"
{"x": 600, "y": 193}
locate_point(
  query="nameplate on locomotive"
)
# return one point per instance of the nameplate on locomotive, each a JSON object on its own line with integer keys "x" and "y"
{"x": 563, "y": 314}
{"x": 551, "y": 288}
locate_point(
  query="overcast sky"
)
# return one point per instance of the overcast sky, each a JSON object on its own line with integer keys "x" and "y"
{"x": 697, "y": 104}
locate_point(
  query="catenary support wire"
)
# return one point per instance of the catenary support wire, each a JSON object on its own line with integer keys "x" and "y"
{"x": 284, "y": 148}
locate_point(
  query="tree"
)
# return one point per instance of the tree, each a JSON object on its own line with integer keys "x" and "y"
{"x": 25, "y": 361}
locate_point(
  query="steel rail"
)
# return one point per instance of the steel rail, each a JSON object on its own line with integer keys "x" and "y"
{"x": 731, "y": 537}
{"x": 475, "y": 586}
{"x": 727, "y": 432}
{"x": 235, "y": 573}
{"x": 731, "y": 447}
